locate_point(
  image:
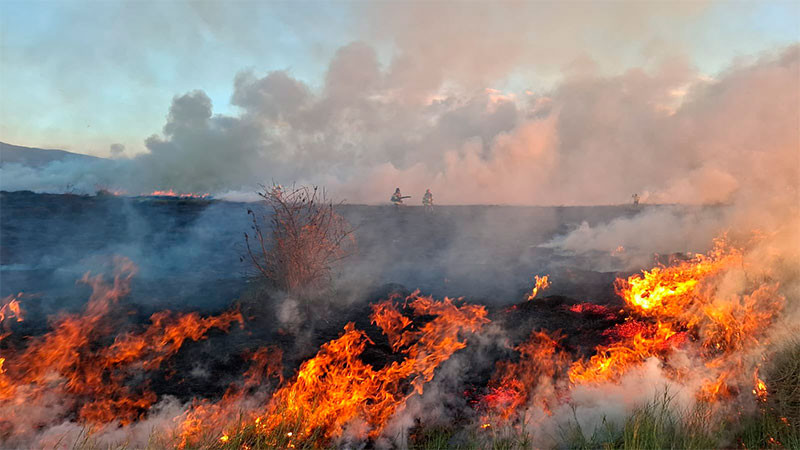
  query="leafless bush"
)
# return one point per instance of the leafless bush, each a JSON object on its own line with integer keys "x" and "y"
{"x": 306, "y": 237}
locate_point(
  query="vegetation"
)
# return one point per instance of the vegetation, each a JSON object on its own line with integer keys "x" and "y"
{"x": 777, "y": 423}
{"x": 659, "y": 424}
{"x": 784, "y": 384}
{"x": 305, "y": 237}
{"x": 656, "y": 424}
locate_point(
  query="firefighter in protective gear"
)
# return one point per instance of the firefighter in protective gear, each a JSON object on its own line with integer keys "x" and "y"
{"x": 427, "y": 199}
{"x": 397, "y": 197}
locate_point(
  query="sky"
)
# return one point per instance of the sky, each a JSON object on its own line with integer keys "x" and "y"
{"x": 85, "y": 75}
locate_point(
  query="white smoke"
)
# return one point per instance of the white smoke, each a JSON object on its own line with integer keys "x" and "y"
{"x": 594, "y": 139}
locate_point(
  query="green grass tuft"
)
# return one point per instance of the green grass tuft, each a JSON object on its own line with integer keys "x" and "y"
{"x": 656, "y": 424}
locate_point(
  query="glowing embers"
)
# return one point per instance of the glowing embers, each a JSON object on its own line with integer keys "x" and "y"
{"x": 336, "y": 388}
{"x": 614, "y": 360}
{"x": 592, "y": 309}
{"x": 520, "y": 383}
{"x": 171, "y": 193}
{"x": 94, "y": 373}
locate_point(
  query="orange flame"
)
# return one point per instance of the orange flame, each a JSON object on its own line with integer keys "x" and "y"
{"x": 336, "y": 387}
{"x": 93, "y": 380}
{"x": 612, "y": 361}
{"x": 171, "y": 193}
{"x": 540, "y": 285}
{"x": 516, "y": 384}
{"x": 10, "y": 308}
{"x": 760, "y": 388}
{"x": 687, "y": 305}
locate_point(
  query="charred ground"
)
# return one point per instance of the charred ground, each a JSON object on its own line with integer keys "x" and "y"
{"x": 190, "y": 258}
{"x": 189, "y": 252}
{"x": 473, "y": 251}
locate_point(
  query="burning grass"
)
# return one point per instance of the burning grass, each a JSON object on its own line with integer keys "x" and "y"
{"x": 701, "y": 324}
{"x": 90, "y": 368}
{"x": 336, "y": 388}
{"x": 777, "y": 421}
{"x": 708, "y": 306}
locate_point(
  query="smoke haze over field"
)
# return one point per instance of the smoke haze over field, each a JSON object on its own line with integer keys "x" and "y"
{"x": 593, "y": 139}
{"x": 500, "y": 103}
{"x": 492, "y": 104}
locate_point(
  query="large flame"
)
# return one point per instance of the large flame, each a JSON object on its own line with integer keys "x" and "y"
{"x": 715, "y": 308}
{"x": 693, "y": 302}
{"x": 91, "y": 371}
{"x": 336, "y": 388}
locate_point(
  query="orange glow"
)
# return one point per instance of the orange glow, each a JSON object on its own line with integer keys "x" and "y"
{"x": 171, "y": 193}
{"x": 336, "y": 386}
{"x": 10, "y": 308}
{"x": 515, "y": 384}
{"x": 93, "y": 380}
{"x": 685, "y": 302}
{"x": 760, "y": 388}
{"x": 540, "y": 285}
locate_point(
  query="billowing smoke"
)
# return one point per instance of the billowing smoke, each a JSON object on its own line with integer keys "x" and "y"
{"x": 667, "y": 133}
{"x": 722, "y": 152}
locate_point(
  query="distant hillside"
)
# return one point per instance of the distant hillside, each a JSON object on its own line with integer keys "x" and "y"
{"x": 37, "y": 157}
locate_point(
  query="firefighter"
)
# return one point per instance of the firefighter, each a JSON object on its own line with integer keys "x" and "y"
{"x": 635, "y": 198}
{"x": 427, "y": 199}
{"x": 397, "y": 197}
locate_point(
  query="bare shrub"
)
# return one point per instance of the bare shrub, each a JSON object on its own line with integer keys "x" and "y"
{"x": 305, "y": 238}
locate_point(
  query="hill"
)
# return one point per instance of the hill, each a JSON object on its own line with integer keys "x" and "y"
{"x": 37, "y": 157}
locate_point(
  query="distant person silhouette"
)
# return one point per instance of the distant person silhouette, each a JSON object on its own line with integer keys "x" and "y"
{"x": 427, "y": 200}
